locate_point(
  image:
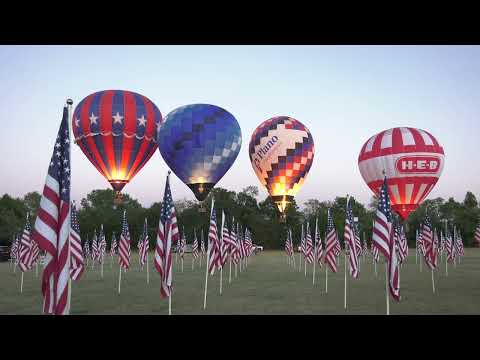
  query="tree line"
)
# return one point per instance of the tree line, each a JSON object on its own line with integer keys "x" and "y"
{"x": 261, "y": 217}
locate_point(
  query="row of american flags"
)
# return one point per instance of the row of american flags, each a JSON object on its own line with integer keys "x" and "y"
{"x": 388, "y": 239}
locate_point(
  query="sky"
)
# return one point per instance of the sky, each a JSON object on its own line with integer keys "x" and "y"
{"x": 343, "y": 94}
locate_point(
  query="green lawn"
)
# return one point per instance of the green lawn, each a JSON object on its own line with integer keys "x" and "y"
{"x": 268, "y": 286}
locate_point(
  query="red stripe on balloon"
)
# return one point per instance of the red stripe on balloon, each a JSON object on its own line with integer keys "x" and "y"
{"x": 138, "y": 164}
{"x": 92, "y": 147}
{"x": 106, "y": 127}
{"x": 129, "y": 128}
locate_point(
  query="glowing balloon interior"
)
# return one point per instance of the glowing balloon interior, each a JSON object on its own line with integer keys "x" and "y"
{"x": 199, "y": 143}
{"x": 412, "y": 160}
{"x": 281, "y": 152}
{"x": 116, "y": 130}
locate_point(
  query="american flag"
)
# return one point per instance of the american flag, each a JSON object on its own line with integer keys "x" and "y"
{"x": 477, "y": 234}
{"x": 288, "y": 250}
{"x": 182, "y": 244}
{"x": 86, "y": 249}
{"x": 145, "y": 245}
{"x": 318, "y": 245}
{"x": 450, "y": 249}
{"x": 76, "y": 254}
{"x": 248, "y": 242}
{"x": 358, "y": 243}
{"x": 365, "y": 247}
{"x": 302, "y": 243}
{"x": 25, "y": 247}
{"x": 167, "y": 234}
{"x": 202, "y": 244}
{"x": 428, "y": 243}
{"x": 225, "y": 249}
{"x": 95, "y": 246}
{"x": 309, "y": 246}
{"x": 35, "y": 253}
{"x": 402, "y": 244}
{"x": 113, "y": 246}
{"x": 229, "y": 240}
{"x": 102, "y": 245}
{"x": 14, "y": 249}
{"x": 384, "y": 239}
{"x": 235, "y": 249}
{"x": 124, "y": 244}
{"x": 52, "y": 227}
{"x": 195, "y": 245}
{"x": 349, "y": 236}
{"x": 459, "y": 244}
{"x": 213, "y": 243}
{"x": 331, "y": 243}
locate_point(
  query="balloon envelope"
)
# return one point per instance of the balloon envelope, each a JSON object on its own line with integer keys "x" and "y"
{"x": 116, "y": 130}
{"x": 412, "y": 160}
{"x": 200, "y": 142}
{"x": 281, "y": 152}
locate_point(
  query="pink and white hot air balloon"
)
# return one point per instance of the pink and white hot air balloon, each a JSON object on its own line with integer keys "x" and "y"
{"x": 412, "y": 160}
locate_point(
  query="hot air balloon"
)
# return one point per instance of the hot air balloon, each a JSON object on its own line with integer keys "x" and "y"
{"x": 199, "y": 143}
{"x": 411, "y": 159}
{"x": 281, "y": 152}
{"x": 117, "y": 130}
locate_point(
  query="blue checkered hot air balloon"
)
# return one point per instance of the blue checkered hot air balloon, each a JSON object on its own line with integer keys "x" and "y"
{"x": 199, "y": 143}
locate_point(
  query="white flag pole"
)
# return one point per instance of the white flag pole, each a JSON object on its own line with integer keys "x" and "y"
{"x": 182, "y": 262}
{"x": 315, "y": 250}
{"x": 21, "y": 284}
{"x": 69, "y": 293}
{"x": 101, "y": 271}
{"x": 221, "y": 251}
{"x": 326, "y": 278}
{"x": 170, "y": 302}
{"x": 148, "y": 271}
{"x": 36, "y": 268}
{"x": 345, "y": 286}
{"x": 386, "y": 288}
{"x": 119, "y": 278}
{"x": 206, "y": 270}
{"x": 230, "y": 271}
{"x": 433, "y": 283}
{"x": 375, "y": 267}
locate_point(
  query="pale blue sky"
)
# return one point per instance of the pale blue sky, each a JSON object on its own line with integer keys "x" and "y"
{"x": 343, "y": 94}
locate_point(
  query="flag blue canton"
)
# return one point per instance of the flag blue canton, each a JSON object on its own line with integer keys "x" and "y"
{"x": 167, "y": 205}
{"x": 74, "y": 220}
{"x": 59, "y": 168}
{"x": 350, "y": 216}
{"x": 384, "y": 202}
{"x": 125, "y": 231}
{"x": 330, "y": 225}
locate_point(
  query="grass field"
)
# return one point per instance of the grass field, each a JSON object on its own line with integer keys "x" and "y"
{"x": 268, "y": 286}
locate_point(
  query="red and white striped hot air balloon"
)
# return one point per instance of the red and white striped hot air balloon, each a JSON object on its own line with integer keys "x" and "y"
{"x": 412, "y": 159}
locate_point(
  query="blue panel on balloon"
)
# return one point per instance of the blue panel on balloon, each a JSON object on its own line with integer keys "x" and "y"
{"x": 199, "y": 142}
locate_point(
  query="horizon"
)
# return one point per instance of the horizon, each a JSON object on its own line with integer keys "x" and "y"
{"x": 342, "y": 94}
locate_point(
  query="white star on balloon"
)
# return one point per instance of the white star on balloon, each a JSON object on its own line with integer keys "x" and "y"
{"x": 142, "y": 121}
{"x": 93, "y": 119}
{"x": 77, "y": 122}
{"x": 117, "y": 118}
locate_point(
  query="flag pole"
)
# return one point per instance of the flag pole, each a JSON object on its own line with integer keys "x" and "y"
{"x": 21, "y": 284}
{"x": 345, "y": 286}
{"x": 386, "y": 288}
{"x": 230, "y": 271}
{"x": 206, "y": 270}
{"x": 221, "y": 279}
{"x": 101, "y": 270}
{"x": 36, "y": 269}
{"x": 433, "y": 283}
{"x": 148, "y": 271}
{"x": 375, "y": 267}
{"x": 69, "y": 293}
{"x": 170, "y": 302}
{"x": 315, "y": 250}
{"x": 326, "y": 279}
{"x": 182, "y": 263}
{"x": 119, "y": 278}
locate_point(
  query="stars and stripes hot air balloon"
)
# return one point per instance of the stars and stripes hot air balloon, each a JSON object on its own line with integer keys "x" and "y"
{"x": 412, "y": 159}
{"x": 281, "y": 152}
{"x": 117, "y": 131}
{"x": 199, "y": 143}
